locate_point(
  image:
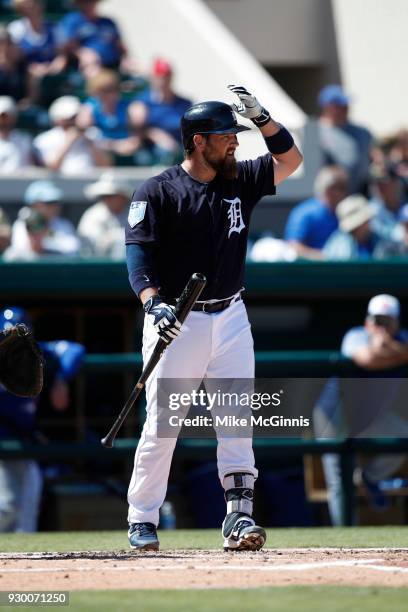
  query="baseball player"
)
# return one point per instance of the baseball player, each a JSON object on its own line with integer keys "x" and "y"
{"x": 194, "y": 217}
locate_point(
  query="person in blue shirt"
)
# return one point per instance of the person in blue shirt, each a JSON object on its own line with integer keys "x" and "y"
{"x": 85, "y": 28}
{"x": 21, "y": 480}
{"x": 159, "y": 111}
{"x": 35, "y": 36}
{"x": 355, "y": 238}
{"x": 106, "y": 110}
{"x": 387, "y": 196}
{"x": 343, "y": 143}
{"x": 312, "y": 222}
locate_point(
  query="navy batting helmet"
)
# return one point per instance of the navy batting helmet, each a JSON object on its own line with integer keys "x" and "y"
{"x": 208, "y": 118}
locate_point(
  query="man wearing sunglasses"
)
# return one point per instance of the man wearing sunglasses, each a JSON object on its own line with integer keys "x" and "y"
{"x": 367, "y": 406}
{"x": 381, "y": 344}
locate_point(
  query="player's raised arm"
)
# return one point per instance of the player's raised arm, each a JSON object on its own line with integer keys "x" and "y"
{"x": 286, "y": 155}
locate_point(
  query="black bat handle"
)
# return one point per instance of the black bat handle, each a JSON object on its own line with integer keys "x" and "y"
{"x": 185, "y": 303}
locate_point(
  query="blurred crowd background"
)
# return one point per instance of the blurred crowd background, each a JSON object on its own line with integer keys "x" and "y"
{"x": 72, "y": 100}
{"x": 78, "y": 108}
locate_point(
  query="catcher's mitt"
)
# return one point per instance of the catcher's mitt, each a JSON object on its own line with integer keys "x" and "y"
{"x": 21, "y": 362}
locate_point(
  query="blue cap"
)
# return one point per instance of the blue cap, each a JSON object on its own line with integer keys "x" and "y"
{"x": 403, "y": 214}
{"x": 42, "y": 191}
{"x": 333, "y": 94}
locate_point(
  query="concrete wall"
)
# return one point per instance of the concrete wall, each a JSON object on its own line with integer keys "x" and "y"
{"x": 289, "y": 32}
{"x": 373, "y": 47}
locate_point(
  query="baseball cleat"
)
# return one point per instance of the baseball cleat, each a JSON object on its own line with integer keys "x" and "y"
{"x": 241, "y": 533}
{"x": 143, "y": 536}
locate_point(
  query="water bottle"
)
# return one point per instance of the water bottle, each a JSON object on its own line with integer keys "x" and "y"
{"x": 167, "y": 516}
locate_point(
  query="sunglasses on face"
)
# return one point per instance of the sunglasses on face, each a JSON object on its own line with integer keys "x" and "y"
{"x": 383, "y": 320}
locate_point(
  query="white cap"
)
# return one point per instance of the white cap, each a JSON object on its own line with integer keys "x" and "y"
{"x": 8, "y": 105}
{"x": 108, "y": 184}
{"x": 386, "y": 305}
{"x": 65, "y": 107}
{"x": 353, "y": 212}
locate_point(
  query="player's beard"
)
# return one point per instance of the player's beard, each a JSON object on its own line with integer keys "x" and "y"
{"x": 226, "y": 167}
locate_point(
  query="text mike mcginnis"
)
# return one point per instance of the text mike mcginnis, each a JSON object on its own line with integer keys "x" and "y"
{"x": 234, "y": 421}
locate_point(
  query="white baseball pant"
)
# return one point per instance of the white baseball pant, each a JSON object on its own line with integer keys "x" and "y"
{"x": 218, "y": 345}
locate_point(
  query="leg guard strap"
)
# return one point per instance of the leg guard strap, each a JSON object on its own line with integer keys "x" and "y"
{"x": 239, "y": 493}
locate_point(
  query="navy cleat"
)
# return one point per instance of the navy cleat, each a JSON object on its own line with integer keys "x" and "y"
{"x": 143, "y": 536}
{"x": 241, "y": 533}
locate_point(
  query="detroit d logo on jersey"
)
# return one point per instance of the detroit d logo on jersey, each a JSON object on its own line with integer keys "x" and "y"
{"x": 136, "y": 213}
{"x": 235, "y": 216}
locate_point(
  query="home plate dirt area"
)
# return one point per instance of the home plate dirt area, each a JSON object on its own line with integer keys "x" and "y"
{"x": 182, "y": 569}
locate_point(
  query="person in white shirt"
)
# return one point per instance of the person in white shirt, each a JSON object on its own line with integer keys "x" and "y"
{"x": 102, "y": 226}
{"x": 65, "y": 147}
{"x": 15, "y": 146}
{"x": 45, "y": 197}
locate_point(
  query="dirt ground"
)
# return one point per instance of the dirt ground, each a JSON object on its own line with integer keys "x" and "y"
{"x": 182, "y": 569}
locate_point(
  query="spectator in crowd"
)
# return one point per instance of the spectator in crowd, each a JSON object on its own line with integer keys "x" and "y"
{"x": 60, "y": 238}
{"x": 15, "y": 146}
{"x": 5, "y": 232}
{"x": 21, "y": 480}
{"x": 37, "y": 228}
{"x": 85, "y": 29}
{"x": 355, "y": 238}
{"x": 13, "y": 69}
{"x": 369, "y": 404}
{"x": 343, "y": 143}
{"x": 313, "y": 221}
{"x": 65, "y": 147}
{"x": 399, "y": 248}
{"x": 159, "y": 112}
{"x": 106, "y": 110}
{"x": 102, "y": 226}
{"x": 36, "y": 39}
{"x": 399, "y": 157}
{"x": 387, "y": 191}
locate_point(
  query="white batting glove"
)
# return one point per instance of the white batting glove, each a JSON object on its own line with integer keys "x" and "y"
{"x": 163, "y": 318}
{"x": 248, "y": 106}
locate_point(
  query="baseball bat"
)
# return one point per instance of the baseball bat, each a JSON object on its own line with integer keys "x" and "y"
{"x": 185, "y": 303}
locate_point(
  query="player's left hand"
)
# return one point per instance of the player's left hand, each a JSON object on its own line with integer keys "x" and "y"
{"x": 248, "y": 106}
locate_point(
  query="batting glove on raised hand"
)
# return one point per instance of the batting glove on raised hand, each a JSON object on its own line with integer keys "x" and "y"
{"x": 249, "y": 106}
{"x": 163, "y": 318}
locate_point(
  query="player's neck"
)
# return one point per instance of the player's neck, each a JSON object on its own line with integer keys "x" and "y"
{"x": 199, "y": 170}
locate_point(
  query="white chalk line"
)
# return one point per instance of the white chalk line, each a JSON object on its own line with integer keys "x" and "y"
{"x": 363, "y": 563}
{"x": 388, "y": 568}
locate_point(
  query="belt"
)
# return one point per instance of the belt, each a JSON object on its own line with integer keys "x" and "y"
{"x": 211, "y": 306}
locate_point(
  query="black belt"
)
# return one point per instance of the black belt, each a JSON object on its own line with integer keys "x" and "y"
{"x": 210, "y": 307}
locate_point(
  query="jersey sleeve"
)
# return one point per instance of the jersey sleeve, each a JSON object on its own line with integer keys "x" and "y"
{"x": 145, "y": 212}
{"x": 353, "y": 340}
{"x": 258, "y": 177}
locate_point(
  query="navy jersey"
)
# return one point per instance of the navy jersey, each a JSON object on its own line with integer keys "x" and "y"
{"x": 199, "y": 227}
